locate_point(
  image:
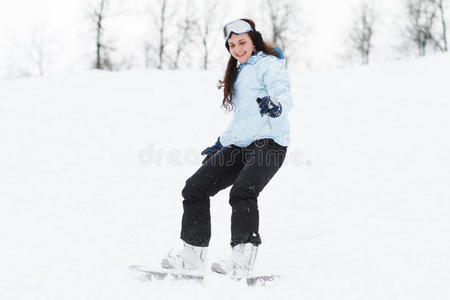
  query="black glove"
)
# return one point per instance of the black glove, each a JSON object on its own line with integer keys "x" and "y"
{"x": 269, "y": 106}
{"x": 210, "y": 151}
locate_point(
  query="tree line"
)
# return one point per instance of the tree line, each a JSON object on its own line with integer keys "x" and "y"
{"x": 183, "y": 34}
{"x": 424, "y": 28}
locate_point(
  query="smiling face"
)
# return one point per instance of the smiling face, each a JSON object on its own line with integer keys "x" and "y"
{"x": 241, "y": 46}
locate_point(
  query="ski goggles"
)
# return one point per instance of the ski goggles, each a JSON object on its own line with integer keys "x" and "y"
{"x": 237, "y": 27}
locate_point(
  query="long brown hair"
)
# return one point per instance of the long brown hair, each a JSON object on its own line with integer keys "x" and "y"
{"x": 231, "y": 72}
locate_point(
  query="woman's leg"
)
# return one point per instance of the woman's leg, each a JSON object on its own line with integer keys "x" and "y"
{"x": 218, "y": 173}
{"x": 262, "y": 158}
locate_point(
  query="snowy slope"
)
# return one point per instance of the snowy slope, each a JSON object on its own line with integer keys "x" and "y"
{"x": 92, "y": 166}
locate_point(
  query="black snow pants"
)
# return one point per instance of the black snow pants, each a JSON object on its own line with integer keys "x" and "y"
{"x": 248, "y": 170}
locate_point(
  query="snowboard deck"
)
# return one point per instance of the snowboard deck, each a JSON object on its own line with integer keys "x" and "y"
{"x": 166, "y": 274}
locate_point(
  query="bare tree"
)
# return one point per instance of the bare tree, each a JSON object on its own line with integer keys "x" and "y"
{"x": 32, "y": 56}
{"x": 161, "y": 18}
{"x": 441, "y": 6}
{"x": 422, "y": 16}
{"x": 361, "y": 32}
{"x": 102, "y": 46}
{"x": 279, "y": 17}
{"x": 285, "y": 24}
{"x": 162, "y": 28}
{"x": 185, "y": 34}
{"x": 38, "y": 52}
{"x": 206, "y": 25}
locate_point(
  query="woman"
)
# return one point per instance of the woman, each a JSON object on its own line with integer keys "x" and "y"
{"x": 246, "y": 156}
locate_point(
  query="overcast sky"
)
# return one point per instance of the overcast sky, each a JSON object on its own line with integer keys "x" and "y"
{"x": 327, "y": 20}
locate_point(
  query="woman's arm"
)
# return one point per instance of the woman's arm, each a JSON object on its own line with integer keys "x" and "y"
{"x": 276, "y": 80}
{"x": 225, "y": 139}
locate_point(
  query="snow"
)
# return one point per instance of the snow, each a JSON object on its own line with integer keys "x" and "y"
{"x": 92, "y": 166}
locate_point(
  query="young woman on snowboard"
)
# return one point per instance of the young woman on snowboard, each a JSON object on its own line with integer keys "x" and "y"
{"x": 246, "y": 156}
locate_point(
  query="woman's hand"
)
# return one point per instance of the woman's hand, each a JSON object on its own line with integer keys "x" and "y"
{"x": 210, "y": 151}
{"x": 269, "y": 106}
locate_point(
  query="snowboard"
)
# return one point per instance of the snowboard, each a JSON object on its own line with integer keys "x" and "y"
{"x": 166, "y": 274}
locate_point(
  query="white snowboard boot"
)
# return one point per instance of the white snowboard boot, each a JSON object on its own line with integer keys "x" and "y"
{"x": 240, "y": 263}
{"x": 189, "y": 258}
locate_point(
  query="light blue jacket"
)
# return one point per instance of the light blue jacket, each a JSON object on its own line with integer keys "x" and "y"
{"x": 262, "y": 75}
